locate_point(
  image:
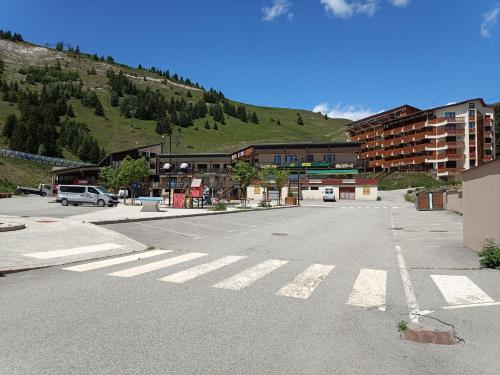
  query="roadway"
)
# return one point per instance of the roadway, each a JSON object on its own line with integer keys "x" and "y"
{"x": 318, "y": 289}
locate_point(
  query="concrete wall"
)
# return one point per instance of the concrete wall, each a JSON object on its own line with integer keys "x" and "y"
{"x": 454, "y": 201}
{"x": 366, "y": 193}
{"x": 481, "y": 204}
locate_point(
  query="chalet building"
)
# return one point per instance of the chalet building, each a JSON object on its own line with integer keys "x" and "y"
{"x": 444, "y": 141}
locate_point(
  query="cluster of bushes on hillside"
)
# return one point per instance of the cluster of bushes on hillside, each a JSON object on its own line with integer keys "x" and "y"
{"x": 9, "y": 35}
{"x": 77, "y": 138}
{"x": 402, "y": 180}
{"x": 38, "y": 129}
{"x": 48, "y": 74}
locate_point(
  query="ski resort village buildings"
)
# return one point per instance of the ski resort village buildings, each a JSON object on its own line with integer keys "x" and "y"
{"x": 443, "y": 141}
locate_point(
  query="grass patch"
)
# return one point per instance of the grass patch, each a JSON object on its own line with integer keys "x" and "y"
{"x": 490, "y": 256}
{"x": 400, "y": 180}
{"x": 22, "y": 172}
{"x": 218, "y": 207}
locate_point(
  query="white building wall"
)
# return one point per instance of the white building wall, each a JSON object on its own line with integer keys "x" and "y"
{"x": 371, "y": 196}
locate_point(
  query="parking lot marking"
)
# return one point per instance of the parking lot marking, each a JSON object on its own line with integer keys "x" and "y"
{"x": 411, "y": 298}
{"x": 202, "y": 269}
{"x": 460, "y": 290}
{"x": 304, "y": 284}
{"x": 74, "y": 251}
{"x": 369, "y": 290}
{"x": 211, "y": 227}
{"x": 194, "y": 237}
{"x": 250, "y": 275}
{"x": 115, "y": 261}
{"x": 134, "y": 271}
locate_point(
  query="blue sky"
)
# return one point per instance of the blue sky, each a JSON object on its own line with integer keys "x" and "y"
{"x": 345, "y": 57}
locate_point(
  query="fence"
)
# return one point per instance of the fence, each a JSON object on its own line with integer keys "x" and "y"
{"x": 41, "y": 159}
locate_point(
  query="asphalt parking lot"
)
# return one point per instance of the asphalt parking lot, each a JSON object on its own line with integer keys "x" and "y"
{"x": 318, "y": 289}
{"x": 36, "y": 206}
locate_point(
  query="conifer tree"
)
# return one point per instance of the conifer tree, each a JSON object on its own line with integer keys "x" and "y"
{"x": 77, "y": 50}
{"x": 60, "y": 46}
{"x": 9, "y": 126}
{"x": 207, "y": 125}
{"x": 69, "y": 111}
{"x": 99, "y": 110}
{"x": 299, "y": 119}
{"x": 254, "y": 118}
{"x": 114, "y": 100}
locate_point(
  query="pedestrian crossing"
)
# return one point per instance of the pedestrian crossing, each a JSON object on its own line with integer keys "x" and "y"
{"x": 368, "y": 291}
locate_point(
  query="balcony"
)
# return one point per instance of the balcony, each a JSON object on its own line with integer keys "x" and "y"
{"x": 487, "y": 145}
{"x": 455, "y": 156}
{"x": 445, "y": 120}
{"x": 472, "y": 142}
{"x": 449, "y": 171}
{"x": 487, "y": 158}
{"x": 488, "y": 134}
{"x": 488, "y": 121}
{"x": 472, "y": 155}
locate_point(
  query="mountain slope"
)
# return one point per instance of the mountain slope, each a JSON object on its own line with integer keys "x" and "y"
{"x": 115, "y": 132}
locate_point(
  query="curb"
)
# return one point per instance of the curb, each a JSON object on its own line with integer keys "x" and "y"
{"x": 132, "y": 220}
{"x": 11, "y": 227}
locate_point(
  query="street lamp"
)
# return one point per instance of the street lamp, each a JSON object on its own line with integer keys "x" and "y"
{"x": 168, "y": 168}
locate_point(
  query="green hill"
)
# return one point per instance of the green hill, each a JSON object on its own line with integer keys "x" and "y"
{"x": 115, "y": 132}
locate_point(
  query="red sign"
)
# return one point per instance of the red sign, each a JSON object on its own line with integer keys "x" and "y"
{"x": 197, "y": 192}
{"x": 179, "y": 200}
{"x": 81, "y": 182}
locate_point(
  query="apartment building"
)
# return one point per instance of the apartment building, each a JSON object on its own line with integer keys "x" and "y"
{"x": 443, "y": 141}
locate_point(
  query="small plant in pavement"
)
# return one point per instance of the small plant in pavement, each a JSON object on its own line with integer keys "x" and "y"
{"x": 219, "y": 207}
{"x": 490, "y": 256}
{"x": 402, "y": 326}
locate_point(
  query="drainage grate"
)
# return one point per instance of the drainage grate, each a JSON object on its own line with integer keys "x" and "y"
{"x": 396, "y": 228}
{"x": 280, "y": 234}
{"x": 438, "y": 231}
{"x": 431, "y": 337}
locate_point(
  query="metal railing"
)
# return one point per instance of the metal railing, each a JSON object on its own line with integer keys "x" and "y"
{"x": 41, "y": 159}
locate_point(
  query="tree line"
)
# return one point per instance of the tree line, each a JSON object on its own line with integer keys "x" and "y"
{"x": 9, "y": 35}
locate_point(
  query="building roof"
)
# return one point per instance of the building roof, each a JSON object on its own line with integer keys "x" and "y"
{"x": 419, "y": 112}
{"x": 194, "y": 155}
{"x": 300, "y": 145}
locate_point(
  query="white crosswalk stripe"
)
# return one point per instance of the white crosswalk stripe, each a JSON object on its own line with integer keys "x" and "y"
{"x": 460, "y": 290}
{"x": 202, "y": 269}
{"x": 250, "y": 275}
{"x": 115, "y": 261}
{"x": 149, "y": 267}
{"x": 74, "y": 251}
{"x": 369, "y": 290}
{"x": 305, "y": 282}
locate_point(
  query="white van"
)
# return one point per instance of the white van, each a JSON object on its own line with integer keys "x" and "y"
{"x": 329, "y": 195}
{"x": 83, "y": 194}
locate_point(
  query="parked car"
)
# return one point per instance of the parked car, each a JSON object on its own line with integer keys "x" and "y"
{"x": 85, "y": 194}
{"x": 42, "y": 190}
{"x": 329, "y": 195}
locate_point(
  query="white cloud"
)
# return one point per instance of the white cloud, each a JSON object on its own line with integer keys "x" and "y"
{"x": 351, "y": 112}
{"x": 489, "y": 21}
{"x": 276, "y": 9}
{"x": 347, "y": 8}
{"x": 399, "y": 3}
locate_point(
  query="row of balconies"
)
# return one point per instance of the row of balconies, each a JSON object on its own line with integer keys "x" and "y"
{"x": 446, "y": 120}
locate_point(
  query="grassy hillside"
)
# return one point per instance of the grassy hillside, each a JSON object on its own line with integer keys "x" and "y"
{"x": 15, "y": 172}
{"x": 403, "y": 180}
{"x": 115, "y": 132}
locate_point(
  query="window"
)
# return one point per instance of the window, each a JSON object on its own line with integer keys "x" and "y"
{"x": 310, "y": 158}
{"x": 216, "y": 166}
{"x": 472, "y": 125}
{"x": 366, "y": 190}
{"x": 472, "y": 163}
{"x": 291, "y": 158}
{"x": 472, "y": 113}
{"x": 314, "y": 188}
{"x": 72, "y": 189}
{"x": 92, "y": 190}
{"x": 277, "y": 159}
{"x": 329, "y": 157}
{"x": 449, "y": 114}
{"x": 256, "y": 189}
{"x": 152, "y": 166}
{"x": 472, "y": 105}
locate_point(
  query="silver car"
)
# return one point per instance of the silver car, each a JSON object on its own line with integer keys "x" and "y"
{"x": 83, "y": 194}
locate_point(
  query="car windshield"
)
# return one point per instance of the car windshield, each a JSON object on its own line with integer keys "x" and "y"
{"x": 102, "y": 189}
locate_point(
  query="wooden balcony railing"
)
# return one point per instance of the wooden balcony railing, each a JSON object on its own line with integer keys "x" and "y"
{"x": 449, "y": 120}
{"x": 487, "y": 157}
{"x": 472, "y": 155}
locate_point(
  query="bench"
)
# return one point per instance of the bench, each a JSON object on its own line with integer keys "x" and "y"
{"x": 5, "y": 195}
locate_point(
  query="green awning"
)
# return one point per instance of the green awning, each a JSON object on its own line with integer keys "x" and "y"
{"x": 322, "y": 172}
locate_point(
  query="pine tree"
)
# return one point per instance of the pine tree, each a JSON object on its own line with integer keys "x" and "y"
{"x": 115, "y": 100}
{"x": 254, "y": 118}
{"x": 242, "y": 113}
{"x": 215, "y": 126}
{"x": 189, "y": 95}
{"x": 278, "y": 122}
{"x": 69, "y": 111}
{"x": 19, "y": 136}
{"x": 2, "y": 66}
{"x": 77, "y": 50}
{"x": 9, "y": 126}
{"x": 326, "y": 116}
{"x": 207, "y": 125}
{"x": 99, "y": 110}
{"x": 299, "y": 119}
{"x": 60, "y": 46}
{"x": 95, "y": 57}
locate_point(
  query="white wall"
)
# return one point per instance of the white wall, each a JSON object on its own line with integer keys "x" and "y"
{"x": 370, "y": 197}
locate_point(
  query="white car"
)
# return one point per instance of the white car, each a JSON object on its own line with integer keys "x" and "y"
{"x": 83, "y": 194}
{"x": 329, "y": 195}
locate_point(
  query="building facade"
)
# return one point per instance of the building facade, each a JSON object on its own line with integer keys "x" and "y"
{"x": 444, "y": 141}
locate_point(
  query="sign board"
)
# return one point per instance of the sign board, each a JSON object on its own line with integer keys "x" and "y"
{"x": 349, "y": 181}
{"x": 81, "y": 182}
{"x": 179, "y": 200}
{"x": 344, "y": 165}
{"x": 196, "y": 182}
{"x": 136, "y": 186}
{"x": 315, "y": 181}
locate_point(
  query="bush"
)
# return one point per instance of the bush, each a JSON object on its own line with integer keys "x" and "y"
{"x": 219, "y": 207}
{"x": 409, "y": 191}
{"x": 490, "y": 256}
{"x": 379, "y": 199}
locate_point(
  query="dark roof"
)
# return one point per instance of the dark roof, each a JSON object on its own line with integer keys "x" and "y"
{"x": 201, "y": 154}
{"x": 301, "y": 144}
{"x": 381, "y": 114}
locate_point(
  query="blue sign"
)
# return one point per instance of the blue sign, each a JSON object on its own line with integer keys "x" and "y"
{"x": 136, "y": 186}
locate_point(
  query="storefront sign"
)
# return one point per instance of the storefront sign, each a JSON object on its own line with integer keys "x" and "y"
{"x": 344, "y": 165}
{"x": 349, "y": 181}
